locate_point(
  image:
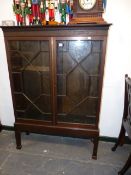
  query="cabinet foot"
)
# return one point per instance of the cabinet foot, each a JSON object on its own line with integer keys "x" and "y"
{"x": 114, "y": 147}
{"x": 0, "y": 128}
{"x": 94, "y": 157}
{"x": 27, "y": 133}
{"x": 18, "y": 147}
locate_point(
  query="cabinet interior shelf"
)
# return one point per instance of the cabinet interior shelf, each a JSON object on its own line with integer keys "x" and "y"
{"x": 33, "y": 68}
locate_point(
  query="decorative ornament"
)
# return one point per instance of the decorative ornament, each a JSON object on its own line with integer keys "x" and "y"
{"x": 42, "y": 12}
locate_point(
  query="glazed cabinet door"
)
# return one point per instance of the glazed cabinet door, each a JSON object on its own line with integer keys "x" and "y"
{"x": 78, "y": 72}
{"x": 30, "y": 69}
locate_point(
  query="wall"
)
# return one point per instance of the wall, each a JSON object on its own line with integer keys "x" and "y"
{"x": 6, "y": 108}
{"x": 118, "y": 62}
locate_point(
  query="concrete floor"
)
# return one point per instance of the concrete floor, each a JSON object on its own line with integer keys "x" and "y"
{"x": 52, "y": 155}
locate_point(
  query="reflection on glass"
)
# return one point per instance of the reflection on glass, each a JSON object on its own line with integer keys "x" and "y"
{"x": 78, "y": 71}
{"x": 31, "y": 78}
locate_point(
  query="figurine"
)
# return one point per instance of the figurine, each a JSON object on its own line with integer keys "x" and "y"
{"x": 51, "y": 9}
{"x": 17, "y": 11}
{"x": 29, "y": 12}
{"x": 36, "y": 11}
{"x": 42, "y": 11}
{"x": 69, "y": 9}
{"x": 65, "y": 11}
{"x": 57, "y": 12}
{"x": 23, "y": 11}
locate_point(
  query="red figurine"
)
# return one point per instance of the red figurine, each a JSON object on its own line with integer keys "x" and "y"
{"x": 36, "y": 11}
{"x": 51, "y": 9}
{"x": 30, "y": 16}
{"x": 17, "y": 11}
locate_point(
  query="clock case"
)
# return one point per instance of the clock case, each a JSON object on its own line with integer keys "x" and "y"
{"x": 93, "y": 15}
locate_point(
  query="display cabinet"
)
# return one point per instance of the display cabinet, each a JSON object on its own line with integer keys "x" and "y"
{"x": 56, "y": 75}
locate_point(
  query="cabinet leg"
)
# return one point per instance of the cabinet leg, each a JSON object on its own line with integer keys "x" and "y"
{"x": 18, "y": 139}
{"x": 120, "y": 140}
{"x": 0, "y": 127}
{"x": 126, "y": 166}
{"x": 95, "y": 141}
{"x": 27, "y": 133}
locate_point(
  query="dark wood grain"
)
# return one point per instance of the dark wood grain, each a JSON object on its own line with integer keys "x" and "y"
{"x": 57, "y": 91}
{"x": 93, "y": 15}
{"x": 0, "y": 127}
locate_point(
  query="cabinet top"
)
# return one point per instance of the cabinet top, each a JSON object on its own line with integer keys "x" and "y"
{"x": 58, "y": 27}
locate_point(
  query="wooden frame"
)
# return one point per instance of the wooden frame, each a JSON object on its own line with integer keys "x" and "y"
{"x": 53, "y": 33}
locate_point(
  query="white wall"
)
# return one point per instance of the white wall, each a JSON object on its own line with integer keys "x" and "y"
{"x": 6, "y": 108}
{"x": 118, "y": 62}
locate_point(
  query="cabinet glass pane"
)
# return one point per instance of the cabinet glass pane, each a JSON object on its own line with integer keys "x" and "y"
{"x": 78, "y": 71}
{"x": 30, "y": 65}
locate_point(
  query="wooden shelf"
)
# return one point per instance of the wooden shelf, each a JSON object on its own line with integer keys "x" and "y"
{"x": 33, "y": 68}
{"x": 37, "y": 68}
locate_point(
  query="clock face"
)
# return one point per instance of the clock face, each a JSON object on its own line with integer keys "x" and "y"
{"x": 87, "y": 4}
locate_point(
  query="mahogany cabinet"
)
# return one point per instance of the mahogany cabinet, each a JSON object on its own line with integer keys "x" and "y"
{"x": 56, "y": 75}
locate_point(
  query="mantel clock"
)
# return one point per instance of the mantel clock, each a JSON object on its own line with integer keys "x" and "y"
{"x": 87, "y": 11}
